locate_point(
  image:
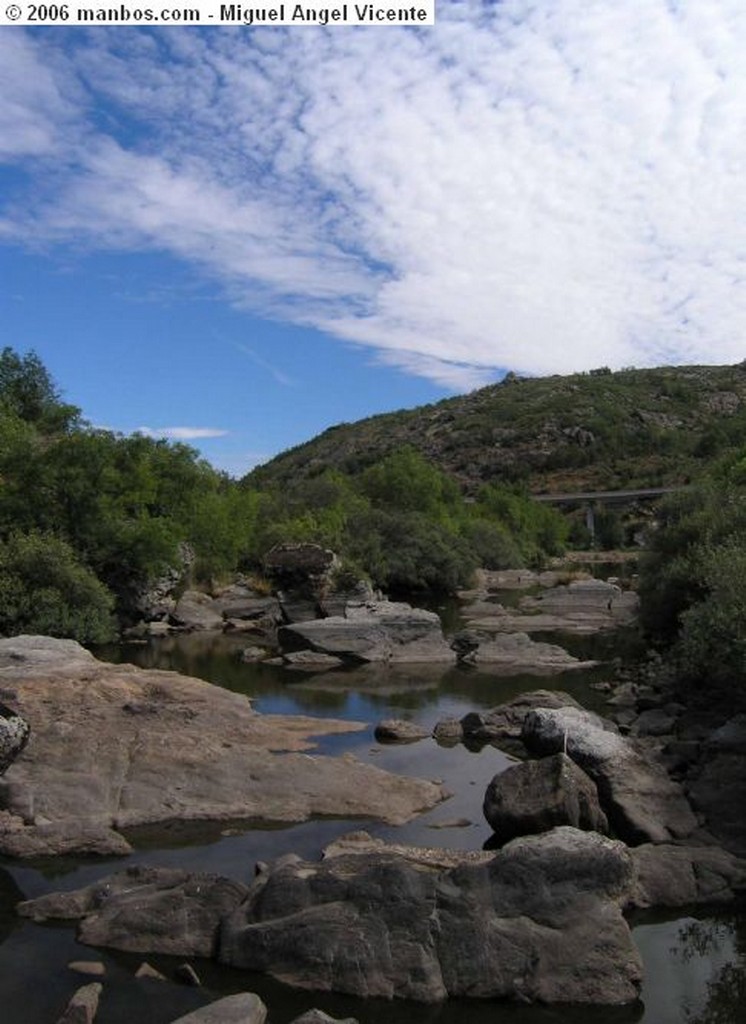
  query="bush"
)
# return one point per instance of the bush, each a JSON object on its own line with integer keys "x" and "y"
{"x": 44, "y": 589}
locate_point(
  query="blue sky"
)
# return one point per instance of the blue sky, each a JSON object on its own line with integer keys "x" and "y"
{"x": 240, "y": 237}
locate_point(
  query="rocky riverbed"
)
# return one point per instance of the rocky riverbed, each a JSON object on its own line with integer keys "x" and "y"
{"x": 596, "y": 819}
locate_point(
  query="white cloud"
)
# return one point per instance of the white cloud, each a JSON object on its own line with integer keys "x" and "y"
{"x": 537, "y": 187}
{"x": 182, "y": 433}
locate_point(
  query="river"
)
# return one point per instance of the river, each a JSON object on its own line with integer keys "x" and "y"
{"x": 695, "y": 966}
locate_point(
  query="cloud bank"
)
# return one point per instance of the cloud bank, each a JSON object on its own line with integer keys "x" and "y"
{"x": 540, "y": 187}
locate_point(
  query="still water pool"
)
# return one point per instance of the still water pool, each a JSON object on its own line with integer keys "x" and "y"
{"x": 695, "y": 967}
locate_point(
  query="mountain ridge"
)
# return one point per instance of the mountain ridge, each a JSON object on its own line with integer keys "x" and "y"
{"x": 597, "y": 430}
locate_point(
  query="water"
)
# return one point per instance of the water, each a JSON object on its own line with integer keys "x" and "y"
{"x": 695, "y": 967}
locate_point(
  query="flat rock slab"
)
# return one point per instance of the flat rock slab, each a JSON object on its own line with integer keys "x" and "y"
{"x": 643, "y": 804}
{"x": 116, "y": 746}
{"x": 583, "y": 607}
{"x": 373, "y": 631}
{"x": 513, "y": 653}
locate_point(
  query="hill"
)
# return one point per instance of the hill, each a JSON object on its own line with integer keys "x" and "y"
{"x": 597, "y": 430}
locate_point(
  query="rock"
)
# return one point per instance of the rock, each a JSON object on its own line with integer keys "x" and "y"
{"x": 242, "y": 1008}
{"x": 195, "y": 610}
{"x": 14, "y": 734}
{"x": 83, "y": 1006}
{"x": 640, "y": 800}
{"x": 538, "y": 921}
{"x": 582, "y": 607}
{"x": 241, "y": 603}
{"x": 145, "y": 910}
{"x": 250, "y": 655}
{"x": 187, "y": 974}
{"x": 97, "y": 760}
{"x": 514, "y": 653}
{"x": 536, "y": 796}
{"x": 505, "y": 722}
{"x": 63, "y": 837}
{"x": 679, "y": 876}
{"x": 448, "y": 732}
{"x": 719, "y": 793}
{"x": 303, "y": 574}
{"x": 92, "y": 967}
{"x": 655, "y": 722}
{"x": 729, "y": 738}
{"x": 395, "y": 730}
{"x": 381, "y": 631}
{"x": 312, "y": 661}
{"x": 145, "y": 970}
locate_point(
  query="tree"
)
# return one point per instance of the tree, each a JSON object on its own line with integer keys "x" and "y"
{"x": 27, "y": 390}
{"x": 45, "y": 589}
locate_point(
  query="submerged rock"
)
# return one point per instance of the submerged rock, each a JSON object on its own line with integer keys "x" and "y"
{"x": 242, "y": 1008}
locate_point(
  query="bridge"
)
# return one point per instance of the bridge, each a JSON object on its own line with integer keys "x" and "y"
{"x": 591, "y": 498}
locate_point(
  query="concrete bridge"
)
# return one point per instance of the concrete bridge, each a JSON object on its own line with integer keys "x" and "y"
{"x": 611, "y": 498}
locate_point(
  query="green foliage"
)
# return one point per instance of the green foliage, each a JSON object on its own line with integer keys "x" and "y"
{"x": 45, "y": 589}
{"x": 693, "y": 582}
{"x": 28, "y": 392}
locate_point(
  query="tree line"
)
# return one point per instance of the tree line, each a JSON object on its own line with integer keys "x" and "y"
{"x": 88, "y": 517}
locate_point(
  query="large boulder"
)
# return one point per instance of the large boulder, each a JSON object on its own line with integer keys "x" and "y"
{"x": 538, "y": 921}
{"x": 146, "y": 910}
{"x": 373, "y": 631}
{"x": 643, "y": 804}
{"x": 195, "y": 610}
{"x": 536, "y": 796}
{"x": 97, "y": 755}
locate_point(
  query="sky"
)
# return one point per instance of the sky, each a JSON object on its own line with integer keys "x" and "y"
{"x": 239, "y": 237}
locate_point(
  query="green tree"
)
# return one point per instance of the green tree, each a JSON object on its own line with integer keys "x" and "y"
{"x": 45, "y": 589}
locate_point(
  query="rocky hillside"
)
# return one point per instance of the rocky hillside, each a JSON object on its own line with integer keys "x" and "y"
{"x": 601, "y": 430}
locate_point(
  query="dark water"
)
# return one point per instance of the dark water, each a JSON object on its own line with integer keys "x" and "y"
{"x": 695, "y": 967}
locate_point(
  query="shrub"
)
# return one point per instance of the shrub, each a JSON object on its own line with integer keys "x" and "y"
{"x": 45, "y": 589}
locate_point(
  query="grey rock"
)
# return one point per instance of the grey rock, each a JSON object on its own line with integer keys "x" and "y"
{"x": 145, "y": 910}
{"x": 195, "y": 610}
{"x": 83, "y": 1006}
{"x": 91, "y": 967}
{"x": 719, "y": 793}
{"x": 538, "y": 921}
{"x": 513, "y": 653}
{"x": 655, "y": 722}
{"x": 242, "y": 1008}
{"x": 448, "y": 732}
{"x": 536, "y": 796}
{"x": 94, "y": 766}
{"x": 312, "y": 661}
{"x": 396, "y": 730}
{"x": 679, "y": 876}
{"x": 381, "y": 631}
{"x": 186, "y": 974}
{"x": 640, "y": 800}
{"x": 146, "y": 970}
{"x": 63, "y": 837}
{"x": 505, "y": 722}
{"x": 729, "y": 738}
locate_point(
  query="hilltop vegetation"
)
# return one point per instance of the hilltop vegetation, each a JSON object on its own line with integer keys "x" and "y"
{"x": 600, "y": 430}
